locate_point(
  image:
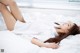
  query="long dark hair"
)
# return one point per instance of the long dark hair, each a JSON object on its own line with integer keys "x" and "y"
{"x": 72, "y": 31}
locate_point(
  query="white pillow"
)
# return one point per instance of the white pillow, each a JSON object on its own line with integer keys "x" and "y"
{"x": 70, "y": 44}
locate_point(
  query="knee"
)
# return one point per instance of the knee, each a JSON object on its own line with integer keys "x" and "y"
{"x": 11, "y": 2}
{"x": 8, "y": 2}
{"x": 2, "y": 6}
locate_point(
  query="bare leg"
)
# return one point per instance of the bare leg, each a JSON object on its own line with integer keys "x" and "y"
{"x": 8, "y": 18}
{"x": 14, "y": 9}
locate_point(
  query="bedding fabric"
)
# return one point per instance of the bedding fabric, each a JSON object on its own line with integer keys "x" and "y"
{"x": 15, "y": 44}
{"x": 12, "y": 43}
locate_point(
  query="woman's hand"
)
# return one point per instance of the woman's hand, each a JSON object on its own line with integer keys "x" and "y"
{"x": 42, "y": 44}
{"x": 51, "y": 45}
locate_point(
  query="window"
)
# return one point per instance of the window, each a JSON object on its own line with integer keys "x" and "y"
{"x": 24, "y": 2}
{"x": 62, "y": 4}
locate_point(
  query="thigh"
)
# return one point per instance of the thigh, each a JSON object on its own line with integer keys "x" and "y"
{"x": 6, "y": 2}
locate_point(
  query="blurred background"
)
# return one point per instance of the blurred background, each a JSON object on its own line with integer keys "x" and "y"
{"x": 60, "y": 4}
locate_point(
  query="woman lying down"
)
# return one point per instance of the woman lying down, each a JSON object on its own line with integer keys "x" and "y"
{"x": 62, "y": 31}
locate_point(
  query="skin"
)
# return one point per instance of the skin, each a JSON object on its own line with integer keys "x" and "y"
{"x": 47, "y": 45}
{"x": 64, "y": 28}
{"x": 8, "y": 18}
{"x": 14, "y": 13}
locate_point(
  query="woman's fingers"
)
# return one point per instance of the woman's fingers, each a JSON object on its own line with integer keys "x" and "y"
{"x": 51, "y": 45}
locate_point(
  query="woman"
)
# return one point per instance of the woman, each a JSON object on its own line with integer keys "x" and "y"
{"x": 10, "y": 18}
{"x": 14, "y": 13}
{"x": 63, "y": 30}
{"x": 67, "y": 29}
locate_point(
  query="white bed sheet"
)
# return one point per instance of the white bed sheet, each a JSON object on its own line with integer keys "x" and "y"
{"x": 15, "y": 44}
{"x": 12, "y": 43}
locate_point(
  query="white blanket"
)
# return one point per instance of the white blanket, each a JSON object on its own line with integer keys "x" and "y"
{"x": 12, "y": 43}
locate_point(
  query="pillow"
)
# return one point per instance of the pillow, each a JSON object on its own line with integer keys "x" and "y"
{"x": 70, "y": 44}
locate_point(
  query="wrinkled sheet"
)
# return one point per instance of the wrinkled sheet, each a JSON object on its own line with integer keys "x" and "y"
{"x": 12, "y": 43}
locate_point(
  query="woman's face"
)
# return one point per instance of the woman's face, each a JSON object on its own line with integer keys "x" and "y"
{"x": 64, "y": 28}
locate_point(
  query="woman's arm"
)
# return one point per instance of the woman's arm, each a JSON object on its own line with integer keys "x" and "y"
{"x": 42, "y": 44}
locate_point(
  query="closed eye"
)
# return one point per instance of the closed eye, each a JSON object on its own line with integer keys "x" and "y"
{"x": 68, "y": 24}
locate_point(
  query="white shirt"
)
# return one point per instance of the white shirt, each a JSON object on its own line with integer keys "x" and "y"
{"x": 37, "y": 29}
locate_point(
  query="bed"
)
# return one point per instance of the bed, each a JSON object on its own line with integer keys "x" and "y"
{"x": 17, "y": 41}
{"x": 12, "y": 43}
